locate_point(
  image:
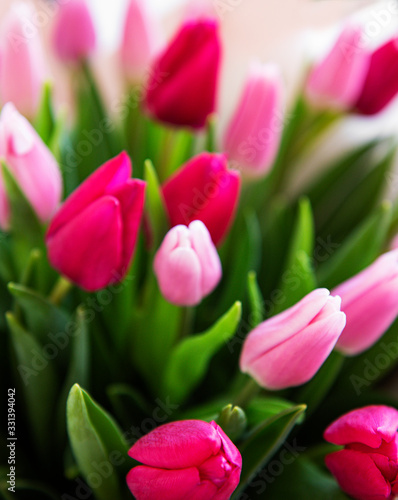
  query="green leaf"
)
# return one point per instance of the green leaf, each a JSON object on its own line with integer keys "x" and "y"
{"x": 356, "y": 199}
{"x": 301, "y": 480}
{"x": 243, "y": 255}
{"x": 97, "y": 444}
{"x": 189, "y": 359}
{"x": 264, "y": 441}
{"x": 359, "y": 250}
{"x": 45, "y": 121}
{"x": 155, "y": 208}
{"x": 42, "y": 317}
{"x": 315, "y": 391}
{"x": 128, "y": 404}
{"x": 262, "y": 408}
{"x": 24, "y": 223}
{"x": 298, "y": 278}
{"x": 79, "y": 364}
{"x": 256, "y": 300}
{"x": 39, "y": 383}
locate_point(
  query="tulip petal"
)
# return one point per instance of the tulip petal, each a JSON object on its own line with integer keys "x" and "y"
{"x": 88, "y": 249}
{"x": 178, "y": 445}
{"x": 289, "y": 364}
{"x": 207, "y": 255}
{"x": 131, "y": 196}
{"x": 281, "y": 327}
{"x": 148, "y": 483}
{"x": 230, "y": 450}
{"x": 112, "y": 174}
{"x": 358, "y": 475}
{"x": 369, "y": 426}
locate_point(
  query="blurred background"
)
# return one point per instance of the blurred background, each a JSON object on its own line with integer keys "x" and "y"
{"x": 290, "y": 33}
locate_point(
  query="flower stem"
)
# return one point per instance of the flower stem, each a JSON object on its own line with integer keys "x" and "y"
{"x": 249, "y": 391}
{"x": 60, "y": 290}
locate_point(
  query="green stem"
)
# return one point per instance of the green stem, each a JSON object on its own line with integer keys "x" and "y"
{"x": 249, "y": 391}
{"x": 187, "y": 317}
{"x": 61, "y": 288}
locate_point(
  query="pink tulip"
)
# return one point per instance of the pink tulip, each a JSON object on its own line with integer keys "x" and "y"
{"x": 23, "y": 70}
{"x": 367, "y": 467}
{"x": 288, "y": 349}
{"x": 187, "y": 265}
{"x": 74, "y": 34}
{"x": 369, "y": 300}
{"x": 140, "y": 40}
{"x": 337, "y": 80}
{"x": 92, "y": 237}
{"x": 381, "y": 82}
{"x": 204, "y": 189}
{"x": 253, "y": 136}
{"x": 183, "y": 82}
{"x": 189, "y": 459}
{"x": 32, "y": 165}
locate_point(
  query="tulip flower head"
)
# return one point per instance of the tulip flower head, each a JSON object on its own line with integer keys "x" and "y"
{"x": 92, "y": 237}
{"x": 369, "y": 301}
{"x": 183, "y": 80}
{"x": 23, "y": 70}
{"x": 253, "y": 136}
{"x": 189, "y": 459}
{"x": 74, "y": 36}
{"x": 336, "y": 81}
{"x": 204, "y": 189}
{"x": 140, "y": 40}
{"x": 31, "y": 163}
{"x": 381, "y": 81}
{"x": 288, "y": 349}
{"x": 187, "y": 264}
{"x": 367, "y": 467}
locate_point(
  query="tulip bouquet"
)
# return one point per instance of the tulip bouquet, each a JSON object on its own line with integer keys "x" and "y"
{"x": 177, "y": 322}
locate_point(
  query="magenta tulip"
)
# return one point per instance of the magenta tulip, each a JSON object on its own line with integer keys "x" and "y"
{"x": 183, "y": 81}
{"x": 92, "y": 237}
{"x": 204, "y": 189}
{"x": 140, "y": 40}
{"x": 337, "y": 80}
{"x": 367, "y": 467}
{"x": 74, "y": 36}
{"x": 370, "y": 303}
{"x": 32, "y": 165}
{"x": 253, "y": 136}
{"x": 23, "y": 69}
{"x": 189, "y": 459}
{"x": 288, "y": 349}
{"x": 187, "y": 265}
{"x": 381, "y": 82}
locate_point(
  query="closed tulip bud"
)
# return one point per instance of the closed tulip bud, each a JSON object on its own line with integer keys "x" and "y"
{"x": 288, "y": 349}
{"x": 183, "y": 82}
{"x": 23, "y": 70}
{"x": 253, "y": 136}
{"x": 370, "y": 303}
{"x": 92, "y": 237}
{"x": 140, "y": 40}
{"x": 187, "y": 265}
{"x": 337, "y": 80}
{"x": 74, "y": 36}
{"x": 204, "y": 189}
{"x": 32, "y": 165}
{"x": 381, "y": 82}
{"x": 367, "y": 467}
{"x": 189, "y": 459}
